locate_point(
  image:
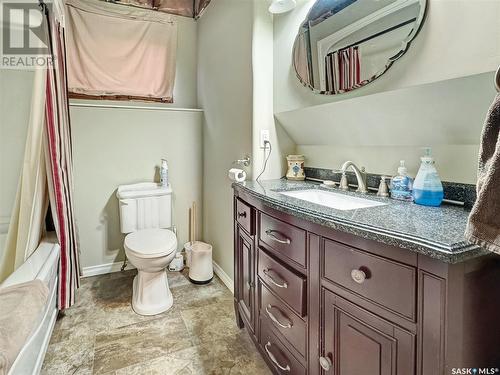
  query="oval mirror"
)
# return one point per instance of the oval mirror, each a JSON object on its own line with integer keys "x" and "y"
{"x": 346, "y": 44}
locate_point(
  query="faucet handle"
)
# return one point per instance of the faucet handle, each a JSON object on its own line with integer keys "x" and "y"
{"x": 344, "y": 185}
{"x": 383, "y": 189}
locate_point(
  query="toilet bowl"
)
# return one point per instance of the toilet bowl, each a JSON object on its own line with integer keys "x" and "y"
{"x": 150, "y": 245}
{"x": 151, "y": 251}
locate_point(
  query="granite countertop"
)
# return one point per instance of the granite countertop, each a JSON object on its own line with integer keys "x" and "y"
{"x": 434, "y": 231}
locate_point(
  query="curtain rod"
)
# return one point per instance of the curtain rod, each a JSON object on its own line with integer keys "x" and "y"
{"x": 125, "y": 106}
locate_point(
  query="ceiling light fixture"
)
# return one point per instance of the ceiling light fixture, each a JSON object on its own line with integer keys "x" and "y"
{"x": 282, "y": 6}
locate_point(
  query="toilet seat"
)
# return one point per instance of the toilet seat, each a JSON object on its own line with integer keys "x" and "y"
{"x": 151, "y": 243}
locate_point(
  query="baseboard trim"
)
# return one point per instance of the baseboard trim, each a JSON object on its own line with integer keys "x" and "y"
{"x": 102, "y": 269}
{"x": 224, "y": 277}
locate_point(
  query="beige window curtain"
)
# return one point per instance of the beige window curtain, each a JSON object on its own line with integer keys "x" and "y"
{"x": 116, "y": 51}
{"x": 300, "y": 59}
{"x": 187, "y": 8}
{"x": 30, "y": 207}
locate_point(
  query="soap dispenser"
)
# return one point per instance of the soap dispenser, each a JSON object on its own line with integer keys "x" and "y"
{"x": 402, "y": 184}
{"x": 428, "y": 189}
{"x": 164, "y": 173}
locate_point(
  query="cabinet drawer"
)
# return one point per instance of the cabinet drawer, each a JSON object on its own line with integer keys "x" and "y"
{"x": 283, "y": 319}
{"x": 284, "y": 283}
{"x": 284, "y": 238}
{"x": 244, "y": 216}
{"x": 382, "y": 281}
{"x": 275, "y": 351}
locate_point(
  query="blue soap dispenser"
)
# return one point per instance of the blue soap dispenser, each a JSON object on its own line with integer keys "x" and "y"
{"x": 427, "y": 188}
{"x": 401, "y": 185}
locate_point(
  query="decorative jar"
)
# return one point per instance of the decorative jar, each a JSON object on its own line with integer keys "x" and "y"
{"x": 295, "y": 167}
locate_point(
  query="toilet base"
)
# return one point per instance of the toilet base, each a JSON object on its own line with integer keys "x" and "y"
{"x": 151, "y": 294}
{"x": 203, "y": 282}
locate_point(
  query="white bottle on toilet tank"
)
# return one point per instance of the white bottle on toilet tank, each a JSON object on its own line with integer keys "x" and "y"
{"x": 164, "y": 173}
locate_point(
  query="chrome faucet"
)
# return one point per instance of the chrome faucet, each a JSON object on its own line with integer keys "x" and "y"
{"x": 360, "y": 176}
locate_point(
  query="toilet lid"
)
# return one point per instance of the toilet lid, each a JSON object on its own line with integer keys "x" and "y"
{"x": 149, "y": 243}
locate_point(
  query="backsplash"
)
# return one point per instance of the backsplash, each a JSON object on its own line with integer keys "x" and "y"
{"x": 453, "y": 191}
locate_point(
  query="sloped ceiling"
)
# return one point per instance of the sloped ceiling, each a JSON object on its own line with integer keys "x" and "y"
{"x": 443, "y": 113}
{"x": 185, "y": 8}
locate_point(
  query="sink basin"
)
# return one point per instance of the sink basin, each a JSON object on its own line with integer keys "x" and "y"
{"x": 331, "y": 199}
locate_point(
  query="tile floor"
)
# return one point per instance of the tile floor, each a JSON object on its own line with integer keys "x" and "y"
{"x": 102, "y": 335}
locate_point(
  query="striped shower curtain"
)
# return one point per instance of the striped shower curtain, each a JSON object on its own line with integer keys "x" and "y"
{"x": 343, "y": 70}
{"x": 59, "y": 165}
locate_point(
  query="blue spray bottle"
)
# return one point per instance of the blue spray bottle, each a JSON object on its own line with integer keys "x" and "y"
{"x": 427, "y": 188}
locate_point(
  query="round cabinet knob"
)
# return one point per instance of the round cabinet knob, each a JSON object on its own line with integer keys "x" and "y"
{"x": 325, "y": 363}
{"x": 358, "y": 276}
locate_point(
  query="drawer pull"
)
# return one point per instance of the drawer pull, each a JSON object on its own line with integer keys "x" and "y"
{"x": 275, "y": 320}
{"x": 284, "y": 284}
{"x": 359, "y": 276}
{"x": 273, "y": 358}
{"x": 242, "y": 214}
{"x": 325, "y": 363}
{"x": 272, "y": 235}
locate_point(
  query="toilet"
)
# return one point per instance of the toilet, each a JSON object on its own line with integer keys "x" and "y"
{"x": 150, "y": 245}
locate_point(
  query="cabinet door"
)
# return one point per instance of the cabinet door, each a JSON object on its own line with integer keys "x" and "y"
{"x": 357, "y": 342}
{"x": 245, "y": 275}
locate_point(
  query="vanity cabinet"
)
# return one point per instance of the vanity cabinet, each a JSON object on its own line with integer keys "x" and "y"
{"x": 316, "y": 300}
{"x": 244, "y": 287}
{"x": 246, "y": 276}
{"x": 357, "y": 341}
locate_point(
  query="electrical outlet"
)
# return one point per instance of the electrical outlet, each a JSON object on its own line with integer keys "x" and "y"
{"x": 264, "y": 136}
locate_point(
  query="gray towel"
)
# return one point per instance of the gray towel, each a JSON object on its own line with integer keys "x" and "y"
{"x": 483, "y": 228}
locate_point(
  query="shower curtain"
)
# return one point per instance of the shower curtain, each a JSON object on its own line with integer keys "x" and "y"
{"x": 30, "y": 206}
{"x": 343, "y": 70}
{"x": 47, "y": 171}
{"x": 58, "y": 156}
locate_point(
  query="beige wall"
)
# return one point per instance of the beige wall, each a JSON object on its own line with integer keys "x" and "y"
{"x": 185, "y": 94}
{"x": 263, "y": 115}
{"x": 120, "y": 146}
{"x": 376, "y": 131}
{"x": 114, "y": 146}
{"x": 225, "y": 94}
{"x": 454, "y": 163}
{"x": 459, "y": 38}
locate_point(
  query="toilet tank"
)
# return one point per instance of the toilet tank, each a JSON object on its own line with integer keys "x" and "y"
{"x": 144, "y": 206}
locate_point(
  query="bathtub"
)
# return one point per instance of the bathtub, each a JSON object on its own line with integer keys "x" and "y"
{"x": 43, "y": 265}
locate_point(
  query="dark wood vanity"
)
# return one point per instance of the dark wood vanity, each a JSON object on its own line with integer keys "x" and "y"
{"x": 320, "y": 301}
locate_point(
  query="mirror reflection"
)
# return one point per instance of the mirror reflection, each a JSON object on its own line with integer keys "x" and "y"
{"x": 346, "y": 44}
